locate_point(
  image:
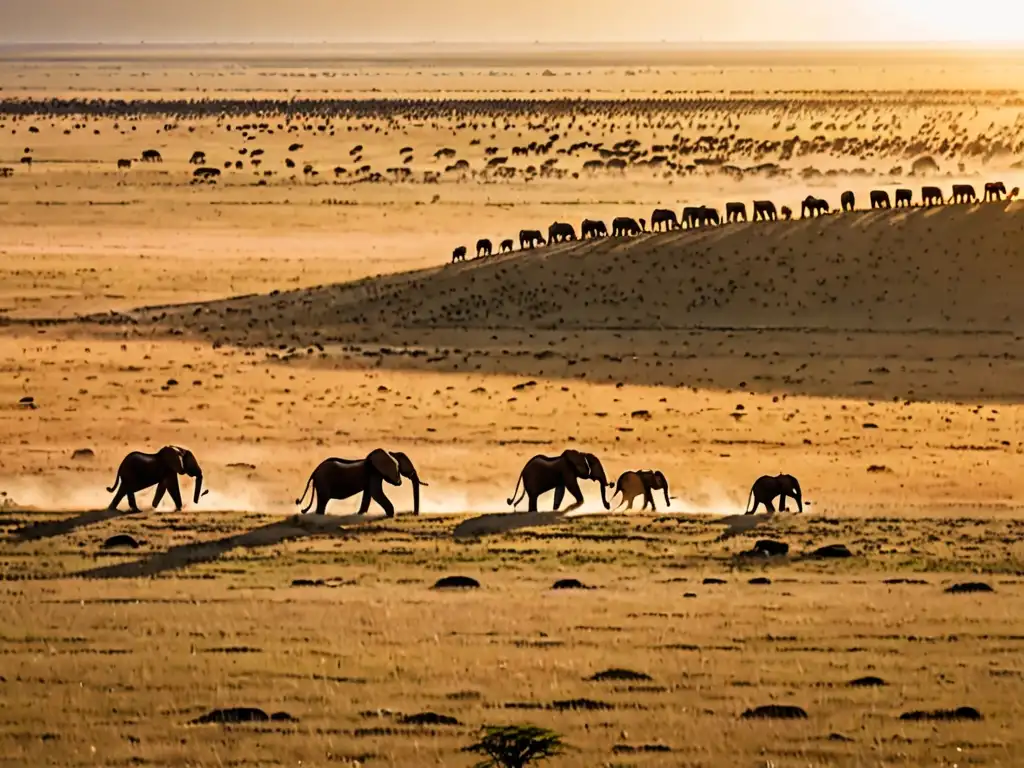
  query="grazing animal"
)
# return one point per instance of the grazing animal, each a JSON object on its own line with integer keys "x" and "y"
{"x": 764, "y": 210}
{"x": 735, "y": 212}
{"x": 931, "y": 196}
{"x": 343, "y": 478}
{"x": 813, "y": 206}
{"x": 994, "y": 191}
{"x": 122, "y": 163}
{"x": 643, "y": 482}
{"x": 663, "y": 218}
{"x": 787, "y": 212}
{"x": 507, "y": 246}
{"x": 483, "y": 248}
{"x": 623, "y": 226}
{"x": 690, "y": 215}
{"x": 560, "y": 232}
{"x": 459, "y": 254}
{"x": 530, "y": 237}
{"x": 593, "y": 229}
{"x": 199, "y": 158}
{"x": 139, "y": 471}
{"x": 559, "y": 473}
{"x": 767, "y": 487}
{"x": 152, "y": 156}
{"x": 904, "y": 198}
{"x": 206, "y": 173}
{"x": 880, "y": 199}
{"x": 848, "y": 201}
{"x": 963, "y": 193}
{"x": 708, "y": 216}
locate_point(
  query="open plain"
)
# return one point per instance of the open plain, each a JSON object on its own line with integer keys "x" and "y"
{"x": 300, "y": 303}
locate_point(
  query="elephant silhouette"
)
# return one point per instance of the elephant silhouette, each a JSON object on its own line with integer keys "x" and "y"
{"x": 787, "y": 213}
{"x": 531, "y": 238}
{"x": 124, "y": 163}
{"x": 459, "y": 254}
{"x": 848, "y": 201}
{"x": 560, "y": 232}
{"x": 764, "y": 210}
{"x": 963, "y": 193}
{"x": 593, "y": 229}
{"x": 813, "y": 206}
{"x": 198, "y": 158}
{"x": 152, "y": 156}
{"x": 708, "y": 217}
{"x": 484, "y": 248}
{"x": 624, "y": 226}
{"x": 904, "y": 198}
{"x": 735, "y": 212}
{"x": 994, "y": 191}
{"x": 507, "y": 246}
{"x": 880, "y": 199}
{"x": 690, "y": 215}
{"x": 663, "y": 218}
{"x": 931, "y": 196}
{"x": 768, "y": 487}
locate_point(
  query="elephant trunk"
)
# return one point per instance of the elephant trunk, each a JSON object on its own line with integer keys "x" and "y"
{"x": 604, "y": 499}
{"x": 798, "y": 495}
{"x": 199, "y": 488}
{"x": 416, "y": 495}
{"x": 667, "y": 500}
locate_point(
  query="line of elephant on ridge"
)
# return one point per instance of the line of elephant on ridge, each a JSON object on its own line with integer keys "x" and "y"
{"x": 336, "y": 478}
{"x": 693, "y": 217}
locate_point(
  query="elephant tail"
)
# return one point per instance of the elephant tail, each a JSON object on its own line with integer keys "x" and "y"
{"x": 513, "y": 501}
{"x": 749, "y": 498}
{"x": 312, "y": 496}
{"x": 117, "y": 480}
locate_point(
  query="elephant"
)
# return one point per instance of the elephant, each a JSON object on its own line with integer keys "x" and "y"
{"x": 198, "y": 158}
{"x": 708, "y": 216}
{"x": 931, "y": 196}
{"x": 152, "y": 156}
{"x": 690, "y": 215}
{"x": 994, "y": 191}
{"x": 904, "y": 197}
{"x": 787, "y": 212}
{"x": 633, "y": 484}
{"x": 848, "y": 201}
{"x": 123, "y": 163}
{"x": 735, "y": 211}
{"x": 766, "y": 488}
{"x": 343, "y": 478}
{"x": 963, "y": 193}
{"x": 484, "y": 248}
{"x": 663, "y": 217}
{"x": 560, "y": 232}
{"x": 764, "y": 210}
{"x": 459, "y": 254}
{"x": 507, "y": 246}
{"x": 530, "y": 237}
{"x": 559, "y": 473}
{"x": 880, "y": 199}
{"x": 139, "y": 471}
{"x": 814, "y": 206}
{"x": 623, "y": 225}
{"x": 593, "y": 229}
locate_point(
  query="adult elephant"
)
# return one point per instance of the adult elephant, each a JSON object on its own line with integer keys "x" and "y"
{"x": 768, "y": 487}
{"x": 904, "y": 198}
{"x": 964, "y": 193}
{"x": 931, "y": 196}
{"x": 560, "y": 232}
{"x": 632, "y": 484}
{"x": 708, "y": 216}
{"x": 764, "y": 210}
{"x": 484, "y": 248}
{"x": 593, "y": 229}
{"x": 530, "y": 238}
{"x": 139, "y": 471}
{"x": 813, "y": 206}
{"x": 343, "y": 478}
{"x": 691, "y": 214}
{"x": 848, "y": 201}
{"x": 735, "y": 212}
{"x": 994, "y": 191}
{"x": 559, "y": 473}
{"x": 623, "y": 226}
{"x": 662, "y": 218}
{"x": 880, "y": 199}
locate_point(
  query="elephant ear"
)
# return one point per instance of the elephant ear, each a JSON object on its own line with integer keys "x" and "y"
{"x": 578, "y": 461}
{"x": 596, "y": 468}
{"x": 175, "y": 458}
{"x": 659, "y": 480}
{"x": 405, "y": 466}
{"x": 387, "y": 465}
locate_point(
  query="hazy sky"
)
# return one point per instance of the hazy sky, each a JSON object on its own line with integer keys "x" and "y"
{"x": 132, "y": 21}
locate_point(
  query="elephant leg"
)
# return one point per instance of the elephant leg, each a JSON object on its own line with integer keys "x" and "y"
{"x": 159, "y": 494}
{"x": 131, "y": 502}
{"x": 782, "y": 503}
{"x": 323, "y": 498}
{"x": 629, "y": 505}
{"x": 172, "y": 489}
{"x": 533, "y": 503}
{"x": 117, "y": 498}
{"x": 757, "y": 503}
{"x": 559, "y": 496}
{"x": 770, "y": 507}
{"x": 574, "y": 488}
{"x": 364, "y": 503}
{"x": 377, "y": 494}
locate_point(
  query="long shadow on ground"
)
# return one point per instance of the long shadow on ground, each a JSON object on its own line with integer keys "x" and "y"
{"x": 504, "y": 522}
{"x": 53, "y": 528}
{"x": 176, "y": 558}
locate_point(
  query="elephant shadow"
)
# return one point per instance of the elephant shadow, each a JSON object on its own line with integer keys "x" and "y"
{"x": 486, "y": 525}
{"x": 185, "y": 555}
{"x": 53, "y": 528}
{"x": 739, "y": 524}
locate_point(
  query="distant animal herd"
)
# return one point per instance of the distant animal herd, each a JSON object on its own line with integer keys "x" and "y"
{"x": 694, "y": 217}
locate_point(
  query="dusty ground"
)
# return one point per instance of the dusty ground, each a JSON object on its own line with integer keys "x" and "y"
{"x": 876, "y": 355}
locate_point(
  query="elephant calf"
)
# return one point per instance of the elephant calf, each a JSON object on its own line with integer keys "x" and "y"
{"x": 633, "y": 484}
{"x": 767, "y": 487}
{"x": 344, "y": 478}
{"x": 139, "y": 471}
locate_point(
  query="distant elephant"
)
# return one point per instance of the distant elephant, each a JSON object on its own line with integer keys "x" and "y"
{"x": 787, "y": 213}
{"x": 848, "y": 201}
{"x": 633, "y": 484}
{"x": 507, "y": 246}
{"x": 559, "y": 473}
{"x": 963, "y": 193}
{"x": 343, "y": 478}
{"x": 483, "y": 248}
{"x": 904, "y": 198}
{"x": 530, "y": 237}
{"x": 931, "y": 196}
{"x": 623, "y": 226}
{"x": 593, "y": 229}
{"x": 459, "y": 254}
{"x": 663, "y": 218}
{"x": 560, "y": 232}
{"x": 139, "y": 471}
{"x": 880, "y": 199}
{"x": 152, "y": 156}
{"x": 691, "y": 214}
{"x": 124, "y": 164}
{"x": 764, "y": 210}
{"x": 994, "y": 191}
{"x": 735, "y": 212}
{"x": 708, "y": 217}
{"x": 199, "y": 158}
{"x": 813, "y": 206}
{"x": 766, "y": 488}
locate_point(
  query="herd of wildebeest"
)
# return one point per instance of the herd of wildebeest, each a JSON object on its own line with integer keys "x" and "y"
{"x": 693, "y": 217}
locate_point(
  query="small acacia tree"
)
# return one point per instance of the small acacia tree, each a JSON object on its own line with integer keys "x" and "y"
{"x": 516, "y": 746}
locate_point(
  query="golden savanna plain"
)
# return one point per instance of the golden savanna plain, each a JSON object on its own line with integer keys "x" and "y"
{"x": 301, "y": 303}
